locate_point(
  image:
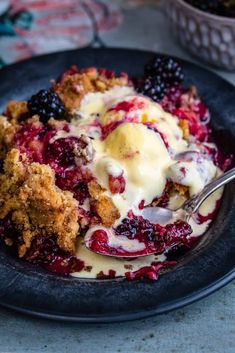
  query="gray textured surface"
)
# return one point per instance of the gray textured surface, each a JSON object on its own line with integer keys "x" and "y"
{"x": 206, "y": 326}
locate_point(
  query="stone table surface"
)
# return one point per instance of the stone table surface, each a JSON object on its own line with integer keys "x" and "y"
{"x": 205, "y": 326}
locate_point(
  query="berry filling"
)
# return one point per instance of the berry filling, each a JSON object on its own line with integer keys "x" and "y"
{"x": 64, "y": 265}
{"x": 156, "y": 238}
{"x": 152, "y": 238}
{"x": 60, "y": 155}
{"x": 149, "y": 272}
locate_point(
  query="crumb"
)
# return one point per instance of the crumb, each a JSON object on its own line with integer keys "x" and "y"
{"x": 72, "y": 88}
{"x": 7, "y": 131}
{"x": 16, "y": 111}
{"x": 189, "y": 97}
{"x": 181, "y": 189}
{"x": 37, "y": 205}
{"x": 94, "y": 189}
{"x": 57, "y": 124}
{"x": 84, "y": 153}
{"x": 8, "y": 241}
{"x": 128, "y": 267}
{"x": 106, "y": 210}
{"x": 102, "y": 204}
{"x": 184, "y": 125}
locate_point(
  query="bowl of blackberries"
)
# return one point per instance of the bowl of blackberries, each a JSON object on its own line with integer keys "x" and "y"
{"x": 206, "y": 28}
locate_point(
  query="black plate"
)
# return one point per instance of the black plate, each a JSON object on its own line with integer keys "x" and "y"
{"x": 209, "y": 266}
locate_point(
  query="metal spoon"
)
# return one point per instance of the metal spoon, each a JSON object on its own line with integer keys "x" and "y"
{"x": 163, "y": 215}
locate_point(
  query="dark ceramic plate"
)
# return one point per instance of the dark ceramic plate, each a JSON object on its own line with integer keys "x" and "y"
{"x": 209, "y": 266}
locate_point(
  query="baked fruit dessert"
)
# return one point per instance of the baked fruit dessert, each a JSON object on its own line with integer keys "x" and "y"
{"x": 88, "y": 154}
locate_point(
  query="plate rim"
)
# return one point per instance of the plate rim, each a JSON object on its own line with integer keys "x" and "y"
{"x": 104, "y": 318}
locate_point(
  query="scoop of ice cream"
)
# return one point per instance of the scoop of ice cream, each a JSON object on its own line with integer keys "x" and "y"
{"x": 122, "y": 104}
{"x": 141, "y": 155}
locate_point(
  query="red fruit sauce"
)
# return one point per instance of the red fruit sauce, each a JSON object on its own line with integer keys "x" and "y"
{"x": 150, "y": 272}
{"x": 64, "y": 265}
{"x": 128, "y": 106}
{"x": 156, "y": 238}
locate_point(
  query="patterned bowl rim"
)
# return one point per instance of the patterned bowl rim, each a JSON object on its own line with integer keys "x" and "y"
{"x": 206, "y": 15}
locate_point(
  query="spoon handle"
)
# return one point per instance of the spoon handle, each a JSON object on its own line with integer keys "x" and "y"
{"x": 195, "y": 202}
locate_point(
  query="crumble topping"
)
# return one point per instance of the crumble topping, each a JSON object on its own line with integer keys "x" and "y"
{"x": 38, "y": 207}
{"x": 72, "y": 88}
{"x": 103, "y": 204}
{"x": 17, "y": 111}
{"x": 85, "y": 152}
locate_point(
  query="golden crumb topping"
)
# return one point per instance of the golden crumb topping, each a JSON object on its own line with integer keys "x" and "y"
{"x": 7, "y": 131}
{"x": 37, "y": 205}
{"x": 184, "y": 125}
{"x": 103, "y": 204}
{"x": 72, "y": 88}
{"x": 16, "y": 111}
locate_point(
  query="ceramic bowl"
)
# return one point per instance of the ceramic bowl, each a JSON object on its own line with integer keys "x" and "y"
{"x": 207, "y": 36}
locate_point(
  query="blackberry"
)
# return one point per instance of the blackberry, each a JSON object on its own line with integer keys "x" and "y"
{"x": 208, "y": 6}
{"x": 136, "y": 228}
{"x": 166, "y": 69}
{"x": 152, "y": 87}
{"x": 217, "y": 7}
{"x": 46, "y": 104}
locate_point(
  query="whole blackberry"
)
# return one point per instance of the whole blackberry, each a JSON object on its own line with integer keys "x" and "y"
{"x": 152, "y": 87}
{"x": 46, "y": 104}
{"x": 167, "y": 69}
{"x": 212, "y": 6}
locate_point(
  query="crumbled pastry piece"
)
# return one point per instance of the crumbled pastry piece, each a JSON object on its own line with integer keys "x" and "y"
{"x": 7, "y": 131}
{"x": 84, "y": 153}
{"x": 17, "y": 111}
{"x": 128, "y": 267}
{"x": 72, "y": 88}
{"x": 181, "y": 189}
{"x": 106, "y": 209}
{"x": 36, "y": 204}
{"x": 95, "y": 190}
{"x": 188, "y": 99}
{"x": 170, "y": 190}
{"x": 8, "y": 242}
{"x": 57, "y": 124}
{"x": 184, "y": 125}
{"x": 35, "y": 120}
{"x": 102, "y": 204}
{"x": 103, "y": 79}
{"x": 87, "y": 268}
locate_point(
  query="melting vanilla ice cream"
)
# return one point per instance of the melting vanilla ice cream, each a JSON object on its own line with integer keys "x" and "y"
{"x": 141, "y": 155}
